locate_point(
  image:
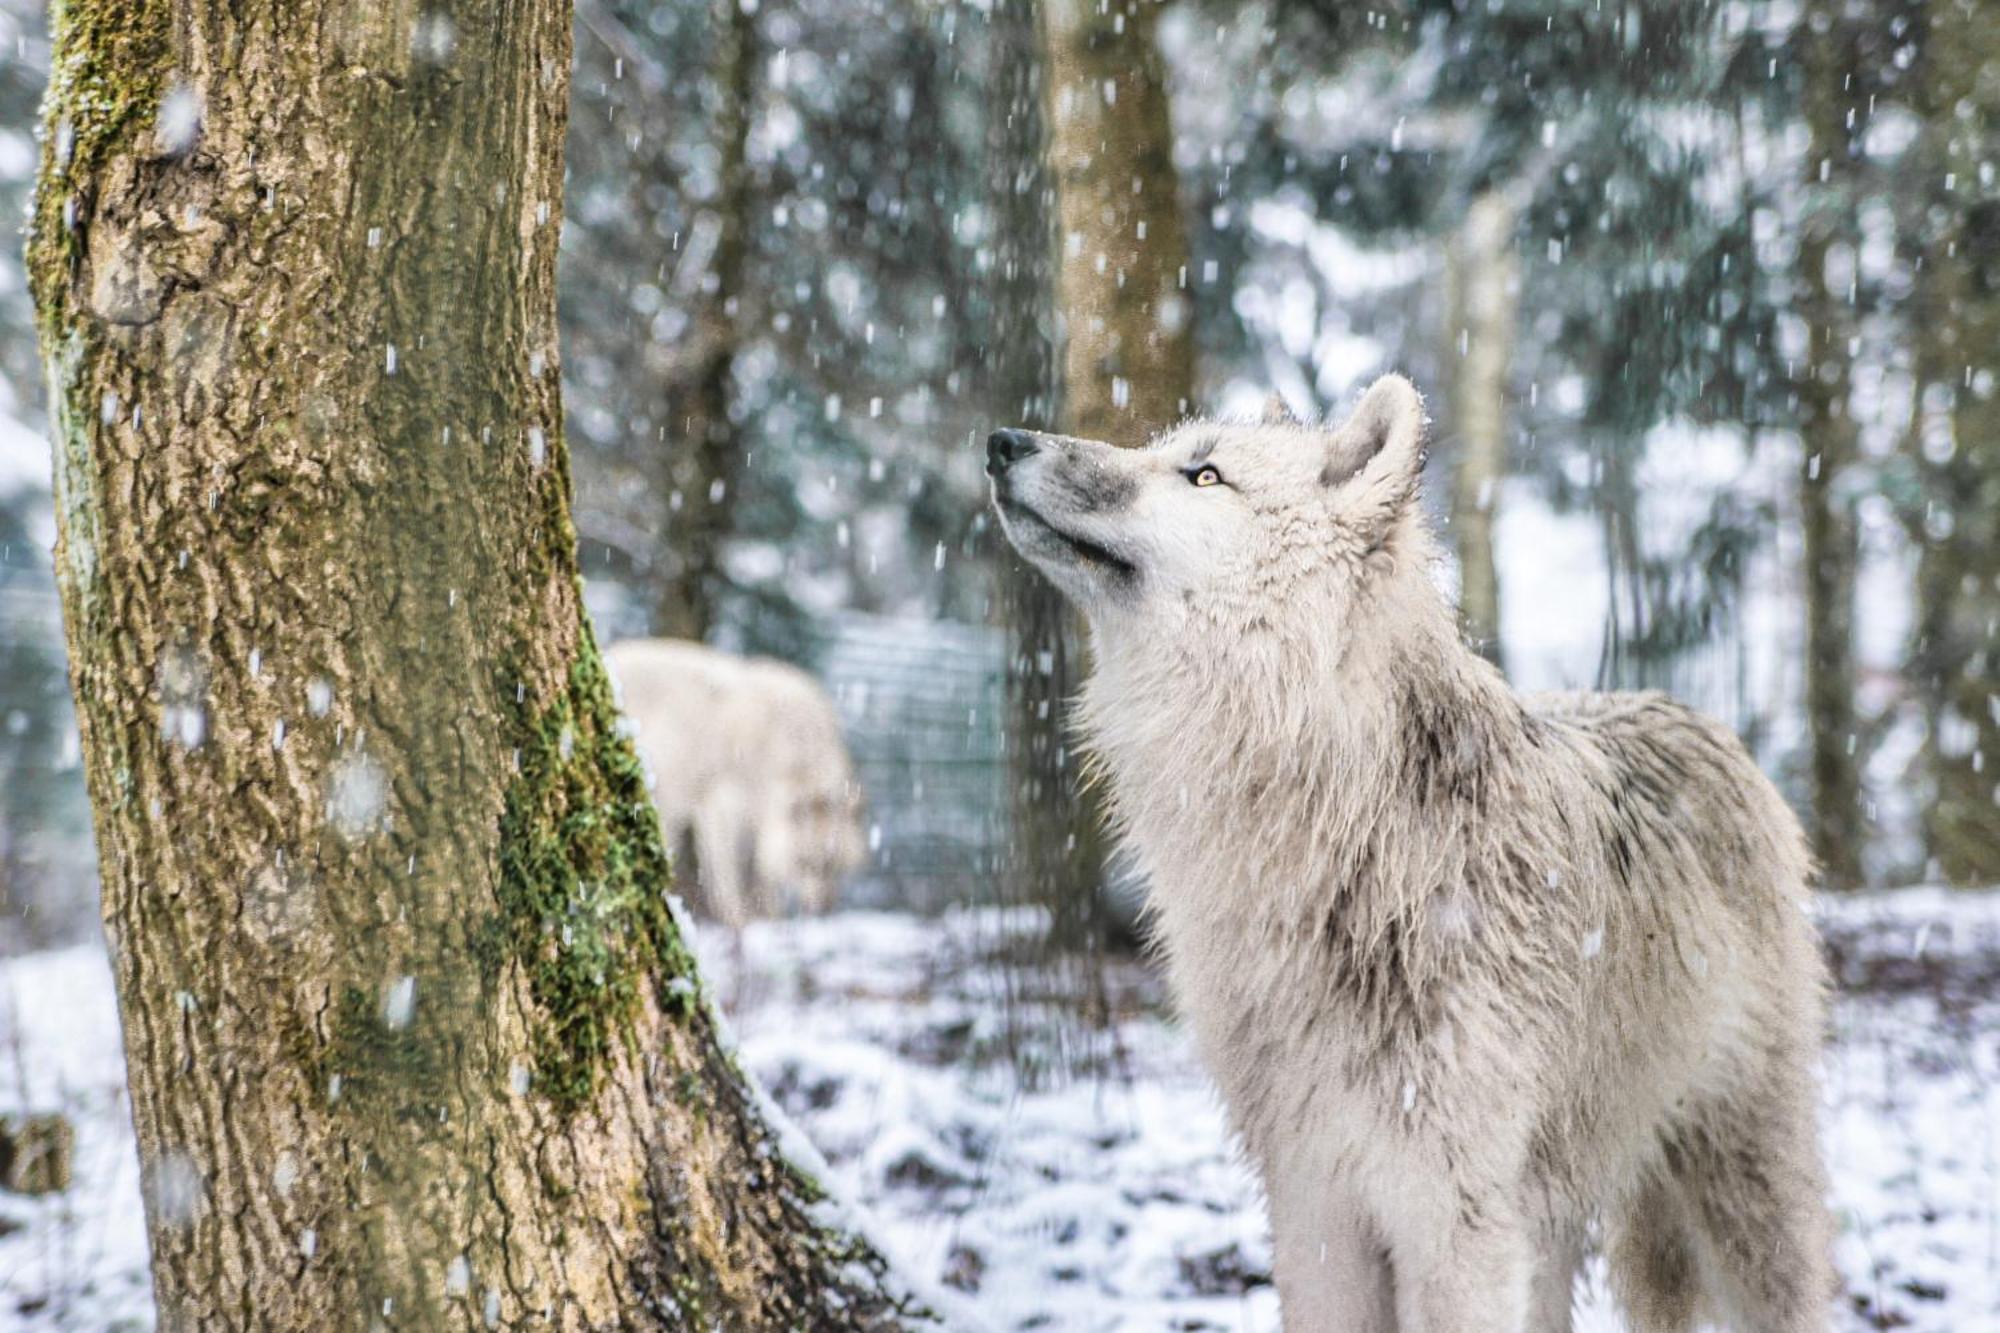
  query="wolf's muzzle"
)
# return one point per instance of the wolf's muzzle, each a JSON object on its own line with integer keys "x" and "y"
{"x": 1004, "y": 448}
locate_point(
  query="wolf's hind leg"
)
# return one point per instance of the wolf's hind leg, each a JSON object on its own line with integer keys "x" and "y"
{"x": 1654, "y": 1268}
{"x": 1755, "y": 1189}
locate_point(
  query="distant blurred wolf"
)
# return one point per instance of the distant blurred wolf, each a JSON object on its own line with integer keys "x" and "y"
{"x": 1485, "y": 980}
{"x": 750, "y": 768}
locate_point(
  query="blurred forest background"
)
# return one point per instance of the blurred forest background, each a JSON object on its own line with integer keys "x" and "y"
{"x": 1705, "y": 297}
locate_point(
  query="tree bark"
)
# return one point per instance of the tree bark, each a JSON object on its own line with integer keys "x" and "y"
{"x": 413, "y": 1041}
{"x": 1485, "y": 295}
{"x": 1122, "y": 268}
{"x": 1831, "y": 440}
{"x": 1956, "y": 442}
{"x": 1054, "y": 853}
{"x": 702, "y": 457}
{"x": 1089, "y": 118}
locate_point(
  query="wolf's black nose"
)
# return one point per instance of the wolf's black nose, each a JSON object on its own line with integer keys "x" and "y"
{"x": 1004, "y": 448}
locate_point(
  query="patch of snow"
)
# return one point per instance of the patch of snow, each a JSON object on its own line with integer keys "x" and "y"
{"x": 79, "y": 1257}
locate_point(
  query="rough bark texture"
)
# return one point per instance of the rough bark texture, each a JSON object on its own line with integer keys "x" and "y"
{"x": 1831, "y": 441}
{"x": 1957, "y": 440}
{"x": 1485, "y": 293}
{"x": 413, "y": 1041}
{"x": 1122, "y": 271}
{"x": 702, "y": 458}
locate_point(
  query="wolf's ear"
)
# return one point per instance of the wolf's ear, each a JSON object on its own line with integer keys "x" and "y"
{"x": 1276, "y": 413}
{"x": 1377, "y": 454}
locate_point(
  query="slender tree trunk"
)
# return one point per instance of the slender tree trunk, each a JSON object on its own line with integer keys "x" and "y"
{"x": 1485, "y": 294}
{"x": 1054, "y": 856}
{"x": 1831, "y": 441}
{"x": 1629, "y": 659}
{"x": 702, "y": 457}
{"x": 1093, "y": 112}
{"x": 1122, "y": 268}
{"x": 413, "y": 1041}
{"x": 1956, "y": 657}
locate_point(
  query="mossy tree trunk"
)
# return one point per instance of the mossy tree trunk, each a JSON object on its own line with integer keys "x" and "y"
{"x": 1485, "y": 293}
{"x": 412, "y": 1039}
{"x": 1831, "y": 440}
{"x": 702, "y": 457}
{"x": 1956, "y": 440}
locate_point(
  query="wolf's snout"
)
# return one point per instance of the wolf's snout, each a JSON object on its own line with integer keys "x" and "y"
{"x": 1004, "y": 448}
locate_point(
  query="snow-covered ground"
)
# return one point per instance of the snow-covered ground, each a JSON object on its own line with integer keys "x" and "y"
{"x": 76, "y": 1260}
{"x": 1108, "y": 1199}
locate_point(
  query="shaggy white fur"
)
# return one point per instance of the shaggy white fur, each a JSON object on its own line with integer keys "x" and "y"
{"x": 1484, "y": 980}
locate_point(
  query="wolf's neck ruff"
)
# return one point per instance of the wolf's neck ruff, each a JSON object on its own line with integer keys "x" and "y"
{"x": 1324, "y": 746}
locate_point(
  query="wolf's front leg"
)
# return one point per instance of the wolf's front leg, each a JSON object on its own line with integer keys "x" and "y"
{"x": 1331, "y": 1265}
{"x": 1467, "y": 1267}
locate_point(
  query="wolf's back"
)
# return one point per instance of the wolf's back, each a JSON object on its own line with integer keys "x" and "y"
{"x": 1687, "y": 782}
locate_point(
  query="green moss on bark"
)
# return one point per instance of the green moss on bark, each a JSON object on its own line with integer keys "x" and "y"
{"x": 109, "y": 62}
{"x": 583, "y": 884}
{"x": 75, "y": 474}
{"x": 108, "y": 66}
{"x": 383, "y": 1066}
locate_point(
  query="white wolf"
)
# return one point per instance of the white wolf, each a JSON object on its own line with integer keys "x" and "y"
{"x": 748, "y": 762}
{"x": 1484, "y": 980}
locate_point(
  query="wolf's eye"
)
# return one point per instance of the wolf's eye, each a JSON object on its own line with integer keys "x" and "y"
{"x": 1205, "y": 476}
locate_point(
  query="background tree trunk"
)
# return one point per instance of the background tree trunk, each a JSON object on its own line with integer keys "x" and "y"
{"x": 1956, "y": 441}
{"x": 412, "y": 1039}
{"x": 1485, "y": 291}
{"x": 701, "y": 455}
{"x": 1093, "y": 108}
{"x": 1122, "y": 267}
{"x": 1831, "y": 441}
{"x": 1055, "y": 856}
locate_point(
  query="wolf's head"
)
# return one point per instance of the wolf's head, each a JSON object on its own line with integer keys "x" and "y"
{"x": 1220, "y": 523}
